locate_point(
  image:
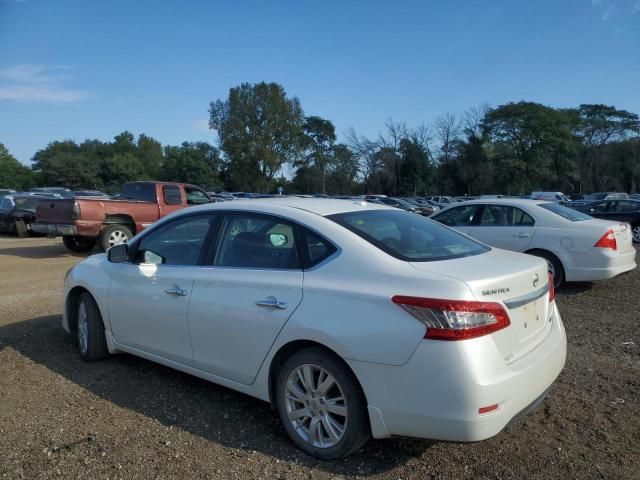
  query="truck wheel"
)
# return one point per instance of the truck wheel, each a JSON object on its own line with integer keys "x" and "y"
{"x": 112, "y": 235}
{"x": 76, "y": 243}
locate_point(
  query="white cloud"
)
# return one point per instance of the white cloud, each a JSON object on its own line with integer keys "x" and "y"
{"x": 201, "y": 126}
{"x": 607, "y": 14}
{"x": 39, "y": 84}
{"x": 636, "y": 8}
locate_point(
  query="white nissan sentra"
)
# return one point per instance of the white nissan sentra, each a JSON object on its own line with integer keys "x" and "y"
{"x": 353, "y": 319}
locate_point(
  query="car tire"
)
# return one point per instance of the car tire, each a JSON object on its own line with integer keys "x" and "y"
{"x": 347, "y": 420}
{"x": 90, "y": 337}
{"x": 554, "y": 265}
{"x": 77, "y": 243}
{"x": 114, "y": 235}
{"x": 635, "y": 232}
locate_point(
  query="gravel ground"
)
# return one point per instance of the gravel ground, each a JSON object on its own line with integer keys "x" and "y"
{"x": 129, "y": 418}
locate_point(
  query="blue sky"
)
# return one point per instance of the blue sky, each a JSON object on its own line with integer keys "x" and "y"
{"x": 89, "y": 69}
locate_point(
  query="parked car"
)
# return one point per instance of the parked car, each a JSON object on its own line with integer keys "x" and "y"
{"x": 89, "y": 193}
{"x": 62, "y": 192}
{"x": 607, "y": 196}
{"x": 17, "y": 212}
{"x": 442, "y": 200}
{"x": 83, "y": 222}
{"x": 394, "y": 202}
{"x": 576, "y": 246}
{"x": 618, "y": 210}
{"x": 402, "y": 327}
{"x": 6, "y": 191}
{"x": 423, "y": 207}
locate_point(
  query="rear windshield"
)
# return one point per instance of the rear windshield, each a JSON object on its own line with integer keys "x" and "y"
{"x": 408, "y": 236}
{"x": 26, "y": 203}
{"x": 145, "y": 192}
{"x": 565, "y": 212}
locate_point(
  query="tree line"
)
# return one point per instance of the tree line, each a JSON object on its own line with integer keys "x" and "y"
{"x": 265, "y": 140}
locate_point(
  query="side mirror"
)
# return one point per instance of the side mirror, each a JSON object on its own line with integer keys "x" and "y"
{"x": 118, "y": 253}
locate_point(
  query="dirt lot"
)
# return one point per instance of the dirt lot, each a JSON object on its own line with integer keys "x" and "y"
{"x": 129, "y": 418}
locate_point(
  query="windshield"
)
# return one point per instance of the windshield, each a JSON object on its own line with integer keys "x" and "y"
{"x": 565, "y": 212}
{"x": 26, "y": 203}
{"x": 408, "y": 236}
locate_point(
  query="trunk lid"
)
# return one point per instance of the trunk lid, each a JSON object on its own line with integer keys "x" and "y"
{"x": 518, "y": 282}
{"x": 55, "y": 211}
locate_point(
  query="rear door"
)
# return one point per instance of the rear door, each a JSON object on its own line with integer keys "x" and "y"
{"x": 241, "y": 302}
{"x": 504, "y": 226}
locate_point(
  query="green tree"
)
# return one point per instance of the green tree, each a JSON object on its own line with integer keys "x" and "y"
{"x": 12, "y": 173}
{"x": 343, "y": 170}
{"x": 318, "y": 137}
{"x": 259, "y": 129}
{"x": 197, "y": 163}
{"x": 415, "y": 175}
{"x": 64, "y": 164}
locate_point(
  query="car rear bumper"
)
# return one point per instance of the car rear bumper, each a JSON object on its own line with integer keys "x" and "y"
{"x": 438, "y": 392}
{"x": 599, "y": 264}
{"x": 54, "y": 229}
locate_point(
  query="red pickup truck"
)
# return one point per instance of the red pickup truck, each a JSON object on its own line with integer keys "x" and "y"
{"x": 83, "y": 222}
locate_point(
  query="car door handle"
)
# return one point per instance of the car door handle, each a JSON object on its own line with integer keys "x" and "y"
{"x": 177, "y": 291}
{"x": 521, "y": 235}
{"x": 271, "y": 302}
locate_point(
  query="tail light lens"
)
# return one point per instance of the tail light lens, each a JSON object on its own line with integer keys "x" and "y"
{"x": 455, "y": 319}
{"x": 75, "y": 215}
{"x": 608, "y": 240}
{"x": 552, "y": 290}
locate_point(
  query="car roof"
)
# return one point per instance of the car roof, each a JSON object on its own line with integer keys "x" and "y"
{"x": 319, "y": 206}
{"x": 511, "y": 201}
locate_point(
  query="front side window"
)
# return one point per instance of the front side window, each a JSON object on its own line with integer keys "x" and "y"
{"x": 407, "y": 236}
{"x": 627, "y": 207}
{"x": 177, "y": 243}
{"x": 458, "y": 216}
{"x": 172, "y": 195}
{"x": 5, "y": 204}
{"x": 257, "y": 241}
{"x": 195, "y": 196}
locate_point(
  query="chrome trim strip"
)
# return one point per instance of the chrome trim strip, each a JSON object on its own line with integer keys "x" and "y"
{"x": 528, "y": 298}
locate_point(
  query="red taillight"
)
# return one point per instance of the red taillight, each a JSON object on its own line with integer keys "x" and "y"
{"x": 552, "y": 290}
{"x": 608, "y": 240}
{"x": 490, "y": 408}
{"x": 455, "y": 319}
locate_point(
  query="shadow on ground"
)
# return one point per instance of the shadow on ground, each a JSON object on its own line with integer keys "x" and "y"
{"x": 55, "y": 250}
{"x": 175, "y": 399}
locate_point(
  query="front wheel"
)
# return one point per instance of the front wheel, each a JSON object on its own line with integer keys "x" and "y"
{"x": 92, "y": 343}
{"x": 321, "y": 405}
{"x": 76, "y": 243}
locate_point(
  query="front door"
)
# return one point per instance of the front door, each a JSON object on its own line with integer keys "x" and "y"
{"x": 149, "y": 297}
{"x": 241, "y": 302}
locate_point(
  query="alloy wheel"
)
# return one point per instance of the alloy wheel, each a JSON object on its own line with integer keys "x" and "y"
{"x": 316, "y": 406}
{"x": 636, "y": 234}
{"x": 117, "y": 237}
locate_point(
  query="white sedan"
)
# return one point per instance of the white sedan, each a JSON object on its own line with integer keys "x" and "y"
{"x": 576, "y": 246}
{"x": 354, "y": 320}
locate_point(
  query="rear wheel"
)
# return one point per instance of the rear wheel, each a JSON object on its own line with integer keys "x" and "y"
{"x": 321, "y": 405}
{"x": 635, "y": 230}
{"x": 553, "y": 264}
{"x": 76, "y": 243}
{"x": 112, "y": 235}
{"x": 92, "y": 343}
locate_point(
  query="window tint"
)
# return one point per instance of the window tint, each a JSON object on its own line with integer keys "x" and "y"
{"x": 317, "y": 248}
{"x": 504, "y": 216}
{"x": 195, "y": 196}
{"x": 458, "y": 216}
{"x": 627, "y": 207}
{"x": 172, "y": 195}
{"x": 5, "y": 204}
{"x": 26, "y": 203}
{"x": 565, "y": 212}
{"x": 177, "y": 243}
{"x": 257, "y": 241}
{"x": 408, "y": 236}
{"x": 602, "y": 207}
{"x": 145, "y": 192}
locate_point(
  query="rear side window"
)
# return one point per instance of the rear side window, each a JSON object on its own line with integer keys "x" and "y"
{"x": 458, "y": 216}
{"x": 407, "y": 236}
{"x": 145, "y": 192}
{"x": 316, "y": 248}
{"x": 172, "y": 195}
